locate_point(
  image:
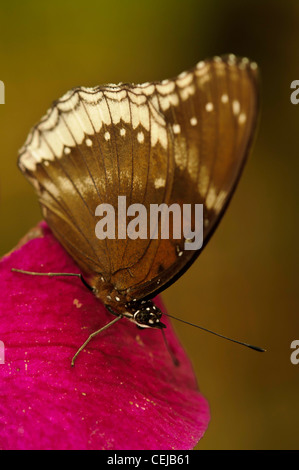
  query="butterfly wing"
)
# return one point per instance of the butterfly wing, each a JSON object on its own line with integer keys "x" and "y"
{"x": 212, "y": 111}
{"x": 179, "y": 141}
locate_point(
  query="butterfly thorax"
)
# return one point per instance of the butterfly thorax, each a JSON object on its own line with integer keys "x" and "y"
{"x": 144, "y": 313}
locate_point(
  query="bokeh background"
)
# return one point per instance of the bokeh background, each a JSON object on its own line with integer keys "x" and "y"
{"x": 245, "y": 283}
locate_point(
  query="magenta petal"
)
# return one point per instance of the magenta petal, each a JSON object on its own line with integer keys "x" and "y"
{"x": 124, "y": 391}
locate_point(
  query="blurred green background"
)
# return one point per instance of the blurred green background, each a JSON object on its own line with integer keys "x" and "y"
{"x": 245, "y": 284}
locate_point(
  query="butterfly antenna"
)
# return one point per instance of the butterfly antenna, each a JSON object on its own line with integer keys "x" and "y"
{"x": 255, "y": 348}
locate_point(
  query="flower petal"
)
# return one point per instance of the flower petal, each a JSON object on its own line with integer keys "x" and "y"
{"x": 124, "y": 391}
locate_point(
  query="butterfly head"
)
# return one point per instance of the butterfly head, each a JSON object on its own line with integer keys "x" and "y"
{"x": 145, "y": 314}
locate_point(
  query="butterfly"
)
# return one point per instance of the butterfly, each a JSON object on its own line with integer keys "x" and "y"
{"x": 176, "y": 141}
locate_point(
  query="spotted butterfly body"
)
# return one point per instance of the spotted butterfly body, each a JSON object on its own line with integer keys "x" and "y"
{"x": 183, "y": 140}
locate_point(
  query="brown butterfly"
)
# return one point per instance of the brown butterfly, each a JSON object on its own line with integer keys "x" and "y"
{"x": 183, "y": 140}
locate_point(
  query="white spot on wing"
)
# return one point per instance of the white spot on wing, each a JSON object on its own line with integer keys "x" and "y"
{"x": 184, "y": 79}
{"x": 187, "y": 91}
{"x": 166, "y": 87}
{"x": 183, "y": 74}
{"x": 144, "y": 85}
{"x": 224, "y": 98}
{"x": 176, "y": 128}
{"x": 236, "y": 107}
{"x": 211, "y": 197}
{"x": 168, "y": 100}
{"x": 159, "y": 183}
{"x": 140, "y": 115}
{"x": 200, "y": 65}
{"x": 242, "y": 118}
{"x": 140, "y": 137}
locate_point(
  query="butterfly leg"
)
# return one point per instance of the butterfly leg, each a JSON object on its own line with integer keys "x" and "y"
{"x": 110, "y": 309}
{"x": 54, "y": 274}
{"x": 95, "y": 333}
{"x": 175, "y": 361}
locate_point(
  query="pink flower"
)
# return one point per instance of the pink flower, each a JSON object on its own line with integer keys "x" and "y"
{"x": 124, "y": 391}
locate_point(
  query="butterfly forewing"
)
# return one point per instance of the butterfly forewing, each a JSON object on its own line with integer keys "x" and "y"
{"x": 179, "y": 141}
